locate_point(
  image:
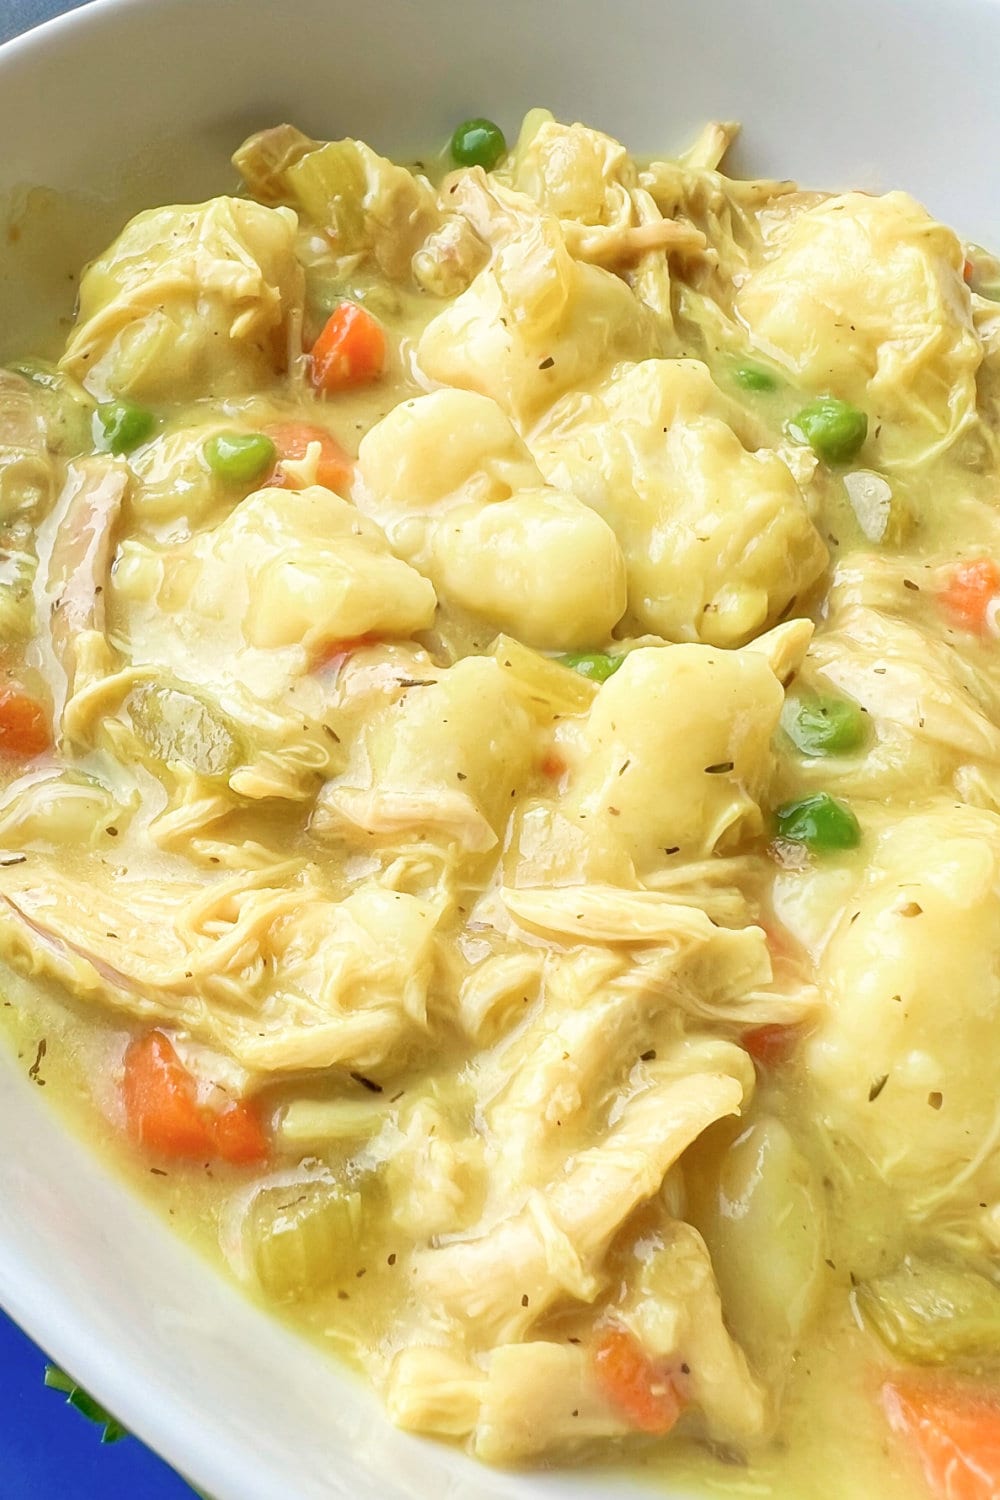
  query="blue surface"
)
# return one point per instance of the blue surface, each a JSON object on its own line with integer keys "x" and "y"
{"x": 47, "y": 1449}
{"x": 19, "y": 15}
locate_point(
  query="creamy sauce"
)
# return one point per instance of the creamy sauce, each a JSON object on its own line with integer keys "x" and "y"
{"x": 597, "y": 1081}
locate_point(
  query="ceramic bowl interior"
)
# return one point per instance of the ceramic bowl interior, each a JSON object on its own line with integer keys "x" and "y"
{"x": 128, "y": 103}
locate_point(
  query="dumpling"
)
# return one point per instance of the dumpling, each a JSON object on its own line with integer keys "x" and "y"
{"x": 574, "y": 172}
{"x": 284, "y": 570}
{"x": 906, "y": 1059}
{"x": 189, "y": 300}
{"x": 444, "y": 764}
{"x": 436, "y": 451}
{"x": 673, "y": 760}
{"x": 718, "y": 541}
{"x": 534, "y": 323}
{"x": 461, "y": 499}
{"x": 864, "y": 299}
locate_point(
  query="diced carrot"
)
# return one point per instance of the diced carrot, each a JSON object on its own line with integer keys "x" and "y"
{"x": 780, "y": 943}
{"x": 350, "y": 351}
{"x": 971, "y": 588}
{"x": 161, "y": 1106}
{"x": 954, "y": 1430}
{"x": 771, "y": 1045}
{"x": 239, "y": 1135}
{"x": 163, "y": 1113}
{"x": 24, "y": 725}
{"x": 335, "y": 653}
{"x": 335, "y": 468}
{"x": 968, "y": 271}
{"x": 552, "y": 765}
{"x": 633, "y": 1383}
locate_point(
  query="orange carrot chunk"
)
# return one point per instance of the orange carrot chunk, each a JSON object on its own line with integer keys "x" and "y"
{"x": 24, "y": 725}
{"x": 333, "y": 654}
{"x": 632, "y": 1383}
{"x": 161, "y": 1105}
{"x": 955, "y": 1432}
{"x": 971, "y": 588}
{"x": 772, "y": 1044}
{"x": 350, "y": 351}
{"x": 239, "y": 1135}
{"x": 163, "y": 1113}
{"x": 335, "y": 468}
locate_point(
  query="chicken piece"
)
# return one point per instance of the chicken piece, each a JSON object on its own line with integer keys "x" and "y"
{"x": 265, "y": 157}
{"x": 461, "y": 499}
{"x": 449, "y": 258}
{"x": 28, "y": 484}
{"x": 498, "y": 987}
{"x": 879, "y": 286}
{"x": 530, "y": 1399}
{"x": 27, "y": 472}
{"x": 582, "y": 178}
{"x": 910, "y": 978}
{"x": 66, "y": 811}
{"x": 496, "y": 1285}
{"x": 523, "y": 1400}
{"x": 431, "y": 1389}
{"x": 932, "y": 714}
{"x": 589, "y": 182}
{"x": 262, "y": 965}
{"x": 80, "y": 565}
{"x": 732, "y": 215}
{"x": 190, "y": 300}
{"x": 604, "y": 914}
{"x": 369, "y": 207}
{"x": 718, "y": 542}
{"x": 435, "y": 1175}
{"x": 673, "y": 1306}
{"x": 550, "y": 1085}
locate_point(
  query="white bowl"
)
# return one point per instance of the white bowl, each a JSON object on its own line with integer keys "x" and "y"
{"x": 141, "y": 101}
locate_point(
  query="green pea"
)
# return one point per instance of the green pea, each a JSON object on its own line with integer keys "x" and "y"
{"x": 598, "y": 666}
{"x": 820, "y": 822}
{"x": 122, "y": 426}
{"x": 834, "y": 430}
{"x": 753, "y": 377}
{"x": 824, "y": 726}
{"x": 478, "y": 143}
{"x": 240, "y": 456}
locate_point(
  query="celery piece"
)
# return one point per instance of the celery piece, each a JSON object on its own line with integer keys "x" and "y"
{"x": 545, "y": 681}
{"x": 932, "y": 1311}
{"x": 329, "y": 185}
{"x": 301, "y": 1238}
{"x": 313, "y": 1123}
{"x": 176, "y": 726}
